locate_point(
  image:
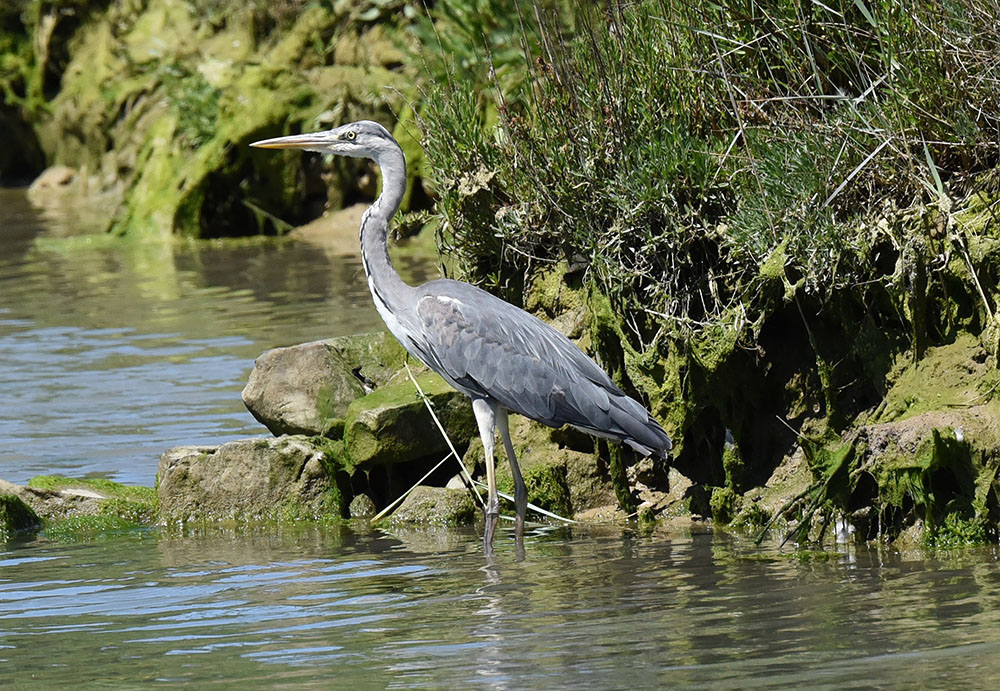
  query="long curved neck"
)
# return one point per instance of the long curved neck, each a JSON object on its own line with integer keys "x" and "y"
{"x": 388, "y": 289}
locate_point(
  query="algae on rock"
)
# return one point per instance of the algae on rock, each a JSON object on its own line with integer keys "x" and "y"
{"x": 158, "y": 101}
{"x": 250, "y": 479}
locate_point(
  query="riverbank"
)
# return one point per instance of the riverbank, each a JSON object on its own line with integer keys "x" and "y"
{"x": 784, "y": 241}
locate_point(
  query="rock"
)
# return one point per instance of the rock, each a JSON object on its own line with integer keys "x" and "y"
{"x": 52, "y": 178}
{"x": 362, "y": 506}
{"x": 54, "y": 502}
{"x": 307, "y": 388}
{"x": 435, "y": 506}
{"x": 392, "y": 424}
{"x": 16, "y": 517}
{"x": 248, "y": 479}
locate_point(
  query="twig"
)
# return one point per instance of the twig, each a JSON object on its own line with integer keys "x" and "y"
{"x": 857, "y": 170}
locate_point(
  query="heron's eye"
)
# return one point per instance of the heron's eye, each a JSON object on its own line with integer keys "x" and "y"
{"x": 350, "y": 135}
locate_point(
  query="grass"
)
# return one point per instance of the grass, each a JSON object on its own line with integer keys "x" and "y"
{"x": 770, "y": 204}
{"x": 677, "y": 152}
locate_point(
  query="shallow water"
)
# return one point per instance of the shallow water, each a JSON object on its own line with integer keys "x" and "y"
{"x": 594, "y": 608}
{"x": 113, "y": 351}
{"x": 110, "y": 352}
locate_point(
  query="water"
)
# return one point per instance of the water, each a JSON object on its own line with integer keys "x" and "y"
{"x": 586, "y": 609}
{"x": 111, "y": 352}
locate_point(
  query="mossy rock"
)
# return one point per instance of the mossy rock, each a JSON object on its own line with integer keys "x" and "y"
{"x": 104, "y": 488}
{"x": 435, "y": 506}
{"x": 288, "y": 478}
{"x": 308, "y": 388}
{"x": 392, "y": 424}
{"x": 362, "y": 507}
{"x": 16, "y": 517}
{"x": 159, "y": 99}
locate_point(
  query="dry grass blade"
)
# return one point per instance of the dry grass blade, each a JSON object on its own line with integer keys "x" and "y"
{"x": 381, "y": 514}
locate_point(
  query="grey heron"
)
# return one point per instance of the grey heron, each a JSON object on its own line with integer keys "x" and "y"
{"x": 501, "y": 357}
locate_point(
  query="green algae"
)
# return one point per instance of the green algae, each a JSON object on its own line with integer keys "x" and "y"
{"x": 392, "y": 424}
{"x": 108, "y": 488}
{"x": 954, "y": 375}
{"x": 91, "y": 528}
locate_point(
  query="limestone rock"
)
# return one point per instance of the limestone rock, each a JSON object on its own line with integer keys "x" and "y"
{"x": 247, "y": 479}
{"x": 307, "y": 388}
{"x": 435, "y": 506}
{"x": 392, "y": 424}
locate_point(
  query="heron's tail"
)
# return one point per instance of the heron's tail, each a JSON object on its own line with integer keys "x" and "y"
{"x": 641, "y": 431}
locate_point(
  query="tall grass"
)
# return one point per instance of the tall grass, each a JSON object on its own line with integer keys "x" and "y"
{"x": 672, "y": 148}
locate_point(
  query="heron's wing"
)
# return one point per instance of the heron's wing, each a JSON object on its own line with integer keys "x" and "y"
{"x": 490, "y": 348}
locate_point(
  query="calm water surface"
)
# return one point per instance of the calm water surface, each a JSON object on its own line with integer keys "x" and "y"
{"x": 588, "y": 609}
{"x": 110, "y": 352}
{"x": 113, "y": 351}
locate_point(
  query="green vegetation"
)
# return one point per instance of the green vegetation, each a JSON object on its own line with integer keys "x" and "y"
{"x": 776, "y": 209}
{"x": 774, "y": 222}
{"x": 109, "y": 488}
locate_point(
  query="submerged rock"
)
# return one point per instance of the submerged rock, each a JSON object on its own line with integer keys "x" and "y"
{"x": 307, "y": 388}
{"x": 248, "y": 479}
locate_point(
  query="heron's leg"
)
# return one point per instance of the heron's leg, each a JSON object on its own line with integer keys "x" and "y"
{"x": 486, "y": 416}
{"x": 520, "y": 491}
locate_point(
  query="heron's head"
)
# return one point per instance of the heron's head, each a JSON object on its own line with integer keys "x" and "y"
{"x": 362, "y": 139}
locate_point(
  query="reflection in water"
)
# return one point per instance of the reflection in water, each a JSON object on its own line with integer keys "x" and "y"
{"x": 114, "y": 350}
{"x": 587, "y": 608}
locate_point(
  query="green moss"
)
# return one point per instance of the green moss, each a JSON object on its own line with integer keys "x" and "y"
{"x": 958, "y": 531}
{"x": 109, "y": 488}
{"x": 551, "y": 293}
{"x": 547, "y": 487}
{"x": 134, "y": 512}
{"x": 723, "y": 504}
{"x": 949, "y": 376}
{"x": 733, "y": 465}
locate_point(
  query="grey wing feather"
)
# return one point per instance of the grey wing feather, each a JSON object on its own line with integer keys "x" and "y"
{"x": 487, "y": 347}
